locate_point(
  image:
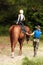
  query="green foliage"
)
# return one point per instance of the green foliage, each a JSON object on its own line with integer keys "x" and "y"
{"x": 37, "y": 61}
{"x": 35, "y": 16}
{"x": 4, "y": 30}
{"x": 9, "y": 10}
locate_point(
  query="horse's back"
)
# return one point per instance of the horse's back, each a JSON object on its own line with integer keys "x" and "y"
{"x": 17, "y": 34}
{"x": 14, "y": 27}
{"x": 15, "y": 30}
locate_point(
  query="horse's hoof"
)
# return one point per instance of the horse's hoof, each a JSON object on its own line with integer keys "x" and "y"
{"x": 20, "y": 53}
{"x": 12, "y": 56}
{"x": 34, "y": 55}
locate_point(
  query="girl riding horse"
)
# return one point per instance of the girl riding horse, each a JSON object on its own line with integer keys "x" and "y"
{"x": 20, "y": 20}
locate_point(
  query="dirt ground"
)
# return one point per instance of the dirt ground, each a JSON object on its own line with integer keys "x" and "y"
{"x": 5, "y": 52}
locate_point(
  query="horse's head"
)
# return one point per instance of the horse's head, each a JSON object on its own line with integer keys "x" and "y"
{"x": 27, "y": 30}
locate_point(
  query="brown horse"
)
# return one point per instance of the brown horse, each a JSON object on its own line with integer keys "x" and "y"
{"x": 16, "y": 34}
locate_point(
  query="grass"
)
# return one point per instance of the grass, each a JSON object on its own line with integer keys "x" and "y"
{"x": 33, "y": 61}
{"x": 5, "y": 49}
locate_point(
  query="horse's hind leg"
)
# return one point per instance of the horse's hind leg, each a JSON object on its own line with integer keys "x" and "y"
{"x": 13, "y": 45}
{"x": 21, "y": 44}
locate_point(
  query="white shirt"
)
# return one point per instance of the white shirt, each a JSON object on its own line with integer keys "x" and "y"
{"x": 20, "y": 16}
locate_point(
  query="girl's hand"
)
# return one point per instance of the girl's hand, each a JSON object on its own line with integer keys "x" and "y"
{"x": 16, "y": 22}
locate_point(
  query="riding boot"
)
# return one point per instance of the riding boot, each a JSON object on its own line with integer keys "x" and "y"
{"x": 23, "y": 29}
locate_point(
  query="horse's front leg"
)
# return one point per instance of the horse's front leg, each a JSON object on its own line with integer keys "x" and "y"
{"x": 20, "y": 52}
